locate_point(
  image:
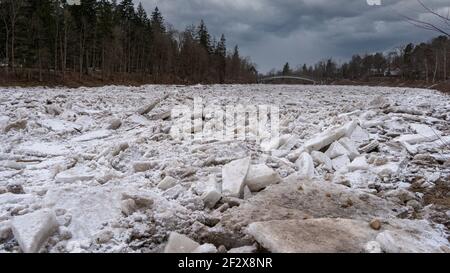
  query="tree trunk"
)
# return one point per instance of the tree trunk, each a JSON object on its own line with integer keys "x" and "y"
{"x": 13, "y": 36}
{"x": 445, "y": 63}
{"x": 6, "y": 45}
{"x": 435, "y": 67}
{"x": 64, "y": 64}
{"x": 103, "y": 61}
{"x": 15, "y": 6}
{"x": 56, "y": 46}
{"x": 81, "y": 57}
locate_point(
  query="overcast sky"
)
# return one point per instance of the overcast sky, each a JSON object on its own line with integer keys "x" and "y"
{"x": 273, "y": 32}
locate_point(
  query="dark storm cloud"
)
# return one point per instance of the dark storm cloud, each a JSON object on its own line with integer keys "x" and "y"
{"x": 272, "y": 32}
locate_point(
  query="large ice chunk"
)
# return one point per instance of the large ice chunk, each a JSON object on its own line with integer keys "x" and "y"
{"x": 33, "y": 229}
{"x": 212, "y": 193}
{"x": 179, "y": 243}
{"x": 326, "y": 138}
{"x": 305, "y": 165}
{"x": 336, "y": 149}
{"x": 322, "y": 159}
{"x": 260, "y": 176}
{"x": 233, "y": 177}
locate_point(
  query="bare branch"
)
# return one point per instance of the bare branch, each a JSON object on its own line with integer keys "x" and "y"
{"x": 430, "y": 26}
{"x": 426, "y": 25}
{"x": 445, "y": 19}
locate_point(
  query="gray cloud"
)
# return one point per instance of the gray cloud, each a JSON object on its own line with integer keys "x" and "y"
{"x": 272, "y": 32}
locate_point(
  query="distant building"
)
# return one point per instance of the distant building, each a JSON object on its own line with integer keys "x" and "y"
{"x": 374, "y": 72}
{"x": 393, "y": 72}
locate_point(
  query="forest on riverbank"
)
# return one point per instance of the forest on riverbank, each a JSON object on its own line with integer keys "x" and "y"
{"x": 101, "y": 42}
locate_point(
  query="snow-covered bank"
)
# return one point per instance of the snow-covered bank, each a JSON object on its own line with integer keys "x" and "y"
{"x": 97, "y": 170}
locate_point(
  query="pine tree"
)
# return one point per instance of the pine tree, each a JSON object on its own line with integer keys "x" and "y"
{"x": 158, "y": 21}
{"x": 203, "y": 36}
{"x": 286, "y": 70}
{"x": 221, "y": 52}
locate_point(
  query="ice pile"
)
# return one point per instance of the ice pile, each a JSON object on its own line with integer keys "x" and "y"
{"x": 355, "y": 169}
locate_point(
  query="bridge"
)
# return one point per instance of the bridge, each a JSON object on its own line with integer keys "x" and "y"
{"x": 266, "y": 79}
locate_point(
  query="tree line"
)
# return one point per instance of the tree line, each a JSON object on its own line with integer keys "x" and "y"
{"x": 428, "y": 62}
{"x": 45, "y": 40}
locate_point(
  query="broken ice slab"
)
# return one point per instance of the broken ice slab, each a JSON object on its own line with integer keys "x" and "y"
{"x": 150, "y": 106}
{"x": 336, "y": 149}
{"x": 340, "y": 162}
{"x": 312, "y": 235}
{"x": 270, "y": 144}
{"x": 326, "y": 235}
{"x": 143, "y": 166}
{"x": 260, "y": 176}
{"x": 33, "y": 229}
{"x": 75, "y": 174}
{"x": 412, "y": 236}
{"x": 233, "y": 177}
{"x": 59, "y": 126}
{"x": 114, "y": 124}
{"x": 424, "y": 130}
{"x": 167, "y": 183}
{"x": 359, "y": 163}
{"x": 179, "y": 243}
{"x": 210, "y": 197}
{"x": 371, "y": 123}
{"x": 405, "y": 110}
{"x": 11, "y": 199}
{"x": 412, "y": 149}
{"x": 89, "y": 207}
{"x": 286, "y": 147}
{"x": 320, "y": 158}
{"x": 305, "y": 165}
{"x": 212, "y": 193}
{"x": 99, "y": 134}
{"x": 350, "y": 146}
{"x": 424, "y": 133}
{"x": 140, "y": 120}
{"x": 244, "y": 249}
{"x": 326, "y": 138}
{"x": 41, "y": 149}
{"x": 205, "y": 248}
{"x": 437, "y": 144}
{"x": 387, "y": 170}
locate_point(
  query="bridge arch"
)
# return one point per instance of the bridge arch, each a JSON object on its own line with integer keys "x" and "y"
{"x": 300, "y": 78}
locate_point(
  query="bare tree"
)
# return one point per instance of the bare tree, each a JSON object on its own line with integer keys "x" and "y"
{"x": 4, "y": 16}
{"x": 14, "y": 8}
